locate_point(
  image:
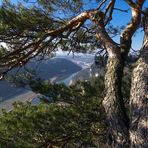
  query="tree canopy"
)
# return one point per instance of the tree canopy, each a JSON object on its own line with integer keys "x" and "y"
{"x": 38, "y": 28}
{"x": 73, "y": 117}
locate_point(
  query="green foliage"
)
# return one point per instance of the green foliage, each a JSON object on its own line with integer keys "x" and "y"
{"x": 68, "y": 116}
{"x": 21, "y": 20}
{"x": 74, "y": 118}
{"x": 27, "y": 27}
{"x": 1, "y": 51}
{"x": 25, "y": 16}
{"x": 71, "y": 93}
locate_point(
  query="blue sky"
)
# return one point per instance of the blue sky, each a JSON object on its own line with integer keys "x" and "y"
{"x": 125, "y": 18}
{"x": 119, "y": 18}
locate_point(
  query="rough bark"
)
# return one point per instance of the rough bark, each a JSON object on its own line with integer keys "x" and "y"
{"x": 113, "y": 102}
{"x": 114, "y": 105}
{"x": 117, "y": 120}
{"x": 139, "y": 98}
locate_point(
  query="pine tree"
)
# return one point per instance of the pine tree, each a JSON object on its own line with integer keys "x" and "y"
{"x": 37, "y": 29}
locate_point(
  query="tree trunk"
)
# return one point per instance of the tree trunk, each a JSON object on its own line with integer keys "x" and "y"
{"x": 114, "y": 104}
{"x": 139, "y": 98}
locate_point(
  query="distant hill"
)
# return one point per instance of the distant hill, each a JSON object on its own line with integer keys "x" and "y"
{"x": 85, "y": 74}
{"x": 8, "y": 90}
{"x": 55, "y": 69}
